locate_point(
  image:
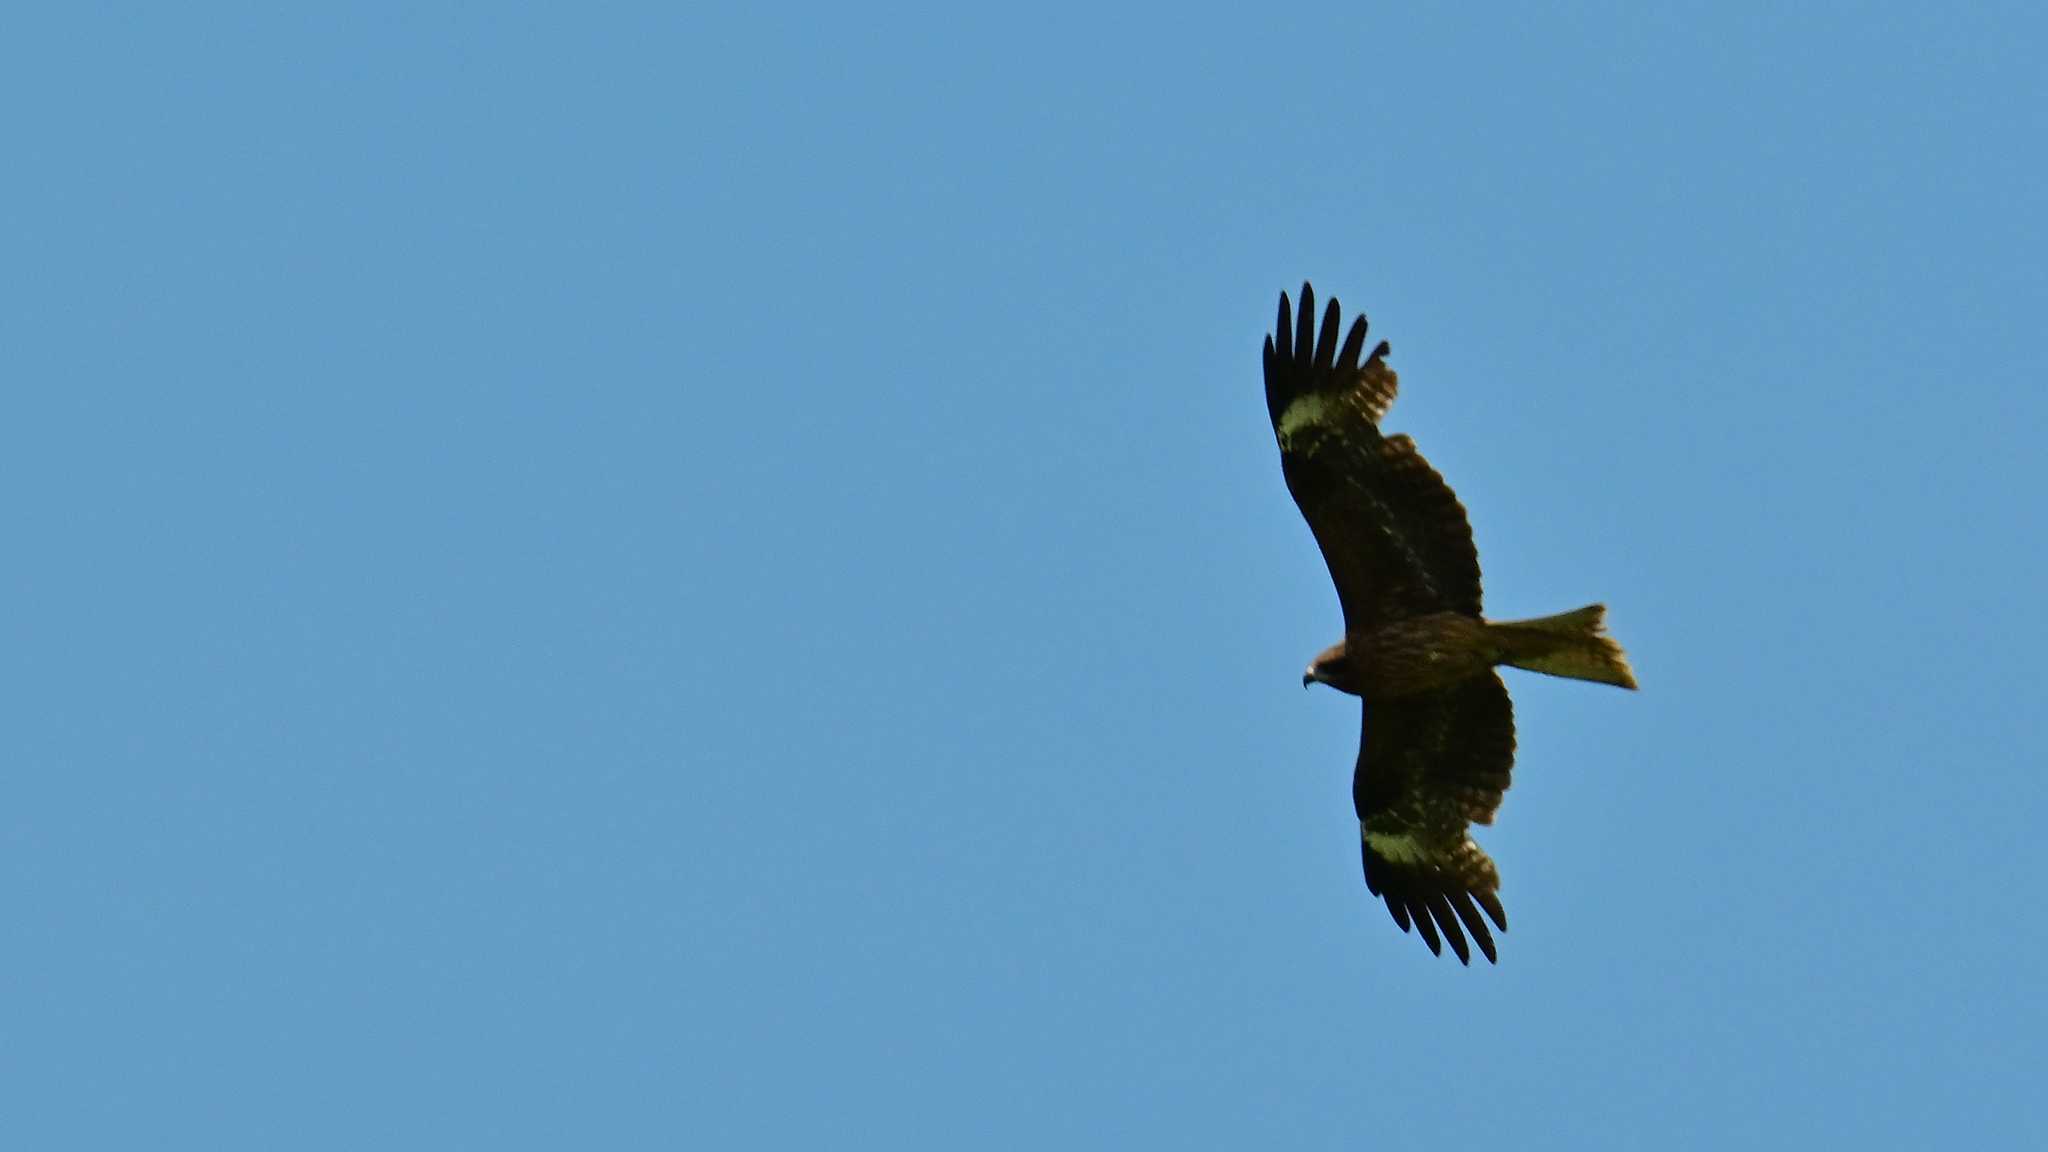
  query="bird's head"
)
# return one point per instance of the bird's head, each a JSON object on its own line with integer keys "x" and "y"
{"x": 1331, "y": 666}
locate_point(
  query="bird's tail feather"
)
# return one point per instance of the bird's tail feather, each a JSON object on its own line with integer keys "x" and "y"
{"x": 1573, "y": 644}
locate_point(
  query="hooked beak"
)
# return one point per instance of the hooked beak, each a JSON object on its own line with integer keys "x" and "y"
{"x": 1308, "y": 677}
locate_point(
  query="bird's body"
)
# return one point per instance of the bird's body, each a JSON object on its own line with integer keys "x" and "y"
{"x": 1405, "y": 657}
{"x": 1437, "y": 739}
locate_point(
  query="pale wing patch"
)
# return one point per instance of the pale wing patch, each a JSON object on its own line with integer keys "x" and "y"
{"x": 1394, "y": 849}
{"x": 1307, "y": 410}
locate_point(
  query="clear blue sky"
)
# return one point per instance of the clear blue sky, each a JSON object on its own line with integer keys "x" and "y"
{"x": 602, "y": 577}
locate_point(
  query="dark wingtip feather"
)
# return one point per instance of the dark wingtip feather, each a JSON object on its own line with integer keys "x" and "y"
{"x": 1427, "y": 927}
{"x": 1440, "y": 910}
{"x": 1284, "y": 328}
{"x": 1326, "y": 340}
{"x": 1399, "y": 913}
{"x": 1305, "y": 325}
{"x": 1347, "y": 362}
{"x": 1461, "y": 902}
{"x": 1491, "y": 902}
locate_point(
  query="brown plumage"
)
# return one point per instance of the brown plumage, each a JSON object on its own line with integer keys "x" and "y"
{"x": 1438, "y": 732}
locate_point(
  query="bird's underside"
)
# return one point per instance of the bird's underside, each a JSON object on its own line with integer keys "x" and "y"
{"x": 1437, "y": 738}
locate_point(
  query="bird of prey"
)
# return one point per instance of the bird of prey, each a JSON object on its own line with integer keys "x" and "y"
{"x": 1438, "y": 733}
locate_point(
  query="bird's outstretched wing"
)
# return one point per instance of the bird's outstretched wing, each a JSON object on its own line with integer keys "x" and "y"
{"x": 1430, "y": 765}
{"x": 1394, "y": 535}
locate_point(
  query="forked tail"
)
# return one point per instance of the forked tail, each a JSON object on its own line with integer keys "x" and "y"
{"x": 1573, "y": 644}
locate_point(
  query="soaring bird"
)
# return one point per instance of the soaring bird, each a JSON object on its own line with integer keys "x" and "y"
{"x": 1437, "y": 734}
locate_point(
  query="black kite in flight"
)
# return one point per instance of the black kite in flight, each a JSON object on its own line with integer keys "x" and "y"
{"x": 1438, "y": 735}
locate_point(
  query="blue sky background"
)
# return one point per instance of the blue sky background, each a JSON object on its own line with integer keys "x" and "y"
{"x": 614, "y": 576}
